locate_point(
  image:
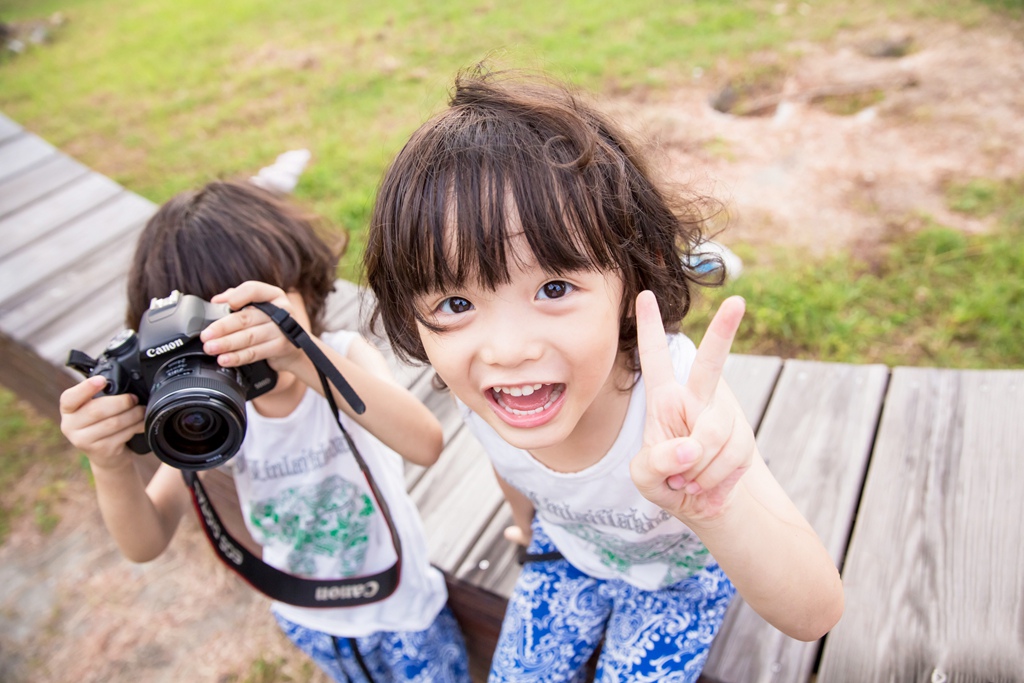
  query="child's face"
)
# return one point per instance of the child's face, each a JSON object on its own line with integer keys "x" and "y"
{"x": 537, "y": 358}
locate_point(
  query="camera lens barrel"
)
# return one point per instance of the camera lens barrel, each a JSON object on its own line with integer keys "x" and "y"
{"x": 195, "y": 418}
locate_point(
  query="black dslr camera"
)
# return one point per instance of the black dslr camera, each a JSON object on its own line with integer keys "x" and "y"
{"x": 195, "y": 409}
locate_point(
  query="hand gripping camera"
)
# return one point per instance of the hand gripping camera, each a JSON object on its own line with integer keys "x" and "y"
{"x": 195, "y": 409}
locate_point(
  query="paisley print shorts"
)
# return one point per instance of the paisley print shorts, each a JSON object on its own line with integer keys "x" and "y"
{"x": 436, "y": 654}
{"x": 558, "y": 616}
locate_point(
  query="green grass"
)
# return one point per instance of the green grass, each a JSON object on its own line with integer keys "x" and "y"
{"x": 35, "y": 464}
{"x": 163, "y": 95}
{"x": 934, "y": 297}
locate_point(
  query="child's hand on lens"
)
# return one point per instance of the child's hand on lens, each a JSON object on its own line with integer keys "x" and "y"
{"x": 697, "y": 442}
{"x": 248, "y": 334}
{"x": 102, "y": 426}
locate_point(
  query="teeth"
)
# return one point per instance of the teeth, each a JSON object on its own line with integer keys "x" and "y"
{"x": 519, "y": 391}
{"x": 526, "y": 391}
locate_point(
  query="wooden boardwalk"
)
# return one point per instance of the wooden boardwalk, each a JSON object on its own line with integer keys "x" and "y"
{"x": 911, "y": 476}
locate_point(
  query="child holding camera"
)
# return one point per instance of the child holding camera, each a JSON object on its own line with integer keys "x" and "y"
{"x": 301, "y": 492}
{"x": 520, "y": 245}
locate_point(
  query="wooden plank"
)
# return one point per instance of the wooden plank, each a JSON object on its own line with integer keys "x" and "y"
{"x": 79, "y": 240}
{"x": 85, "y": 329}
{"x": 816, "y": 437}
{"x": 8, "y": 128}
{"x": 22, "y": 153}
{"x": 457, "y": 497}
{"x": 88, "y": 286}
{"x": 751, "y": 379}
{"x": 491, "y": 564}
{"x": 934, "y": 588}
{"x": 479, "y": 613}
{"x": 71, "y": 201}
{"x": 24, "y": 188}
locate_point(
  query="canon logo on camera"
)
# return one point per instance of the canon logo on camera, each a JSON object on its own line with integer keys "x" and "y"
{"x": 154, "y": 352}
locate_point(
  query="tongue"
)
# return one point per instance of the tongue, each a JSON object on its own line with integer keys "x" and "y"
{"x": 535, "y": 400}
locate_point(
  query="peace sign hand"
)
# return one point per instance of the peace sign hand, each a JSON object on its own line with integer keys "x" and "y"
{"x": 697, "y": 442}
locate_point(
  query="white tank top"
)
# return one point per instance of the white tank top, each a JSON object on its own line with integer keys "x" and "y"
{"x": 306, "y": 502}
{"x": 596, "y": 517}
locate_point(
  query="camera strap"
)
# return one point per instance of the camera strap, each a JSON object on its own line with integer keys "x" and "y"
{"x": 279, "y": 585}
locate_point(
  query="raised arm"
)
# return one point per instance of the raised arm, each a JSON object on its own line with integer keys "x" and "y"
{"x": 141, "y": 519}
{"x": 700, "y": 462}
{"x": 393, "y": 414}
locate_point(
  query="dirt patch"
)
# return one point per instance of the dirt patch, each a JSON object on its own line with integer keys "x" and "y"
{"x": 846, "y": 148}
{"x": 72, "y": 609}
{"x": 950, "y": 110}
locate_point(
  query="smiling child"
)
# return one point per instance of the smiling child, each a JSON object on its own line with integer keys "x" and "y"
{"x": 520, "y": 246}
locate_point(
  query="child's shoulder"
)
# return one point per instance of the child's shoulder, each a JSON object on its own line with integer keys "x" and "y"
{"x": 340, "y": 340}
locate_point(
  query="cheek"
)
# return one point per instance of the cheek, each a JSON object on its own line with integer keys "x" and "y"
{"x": 442, "y": 354}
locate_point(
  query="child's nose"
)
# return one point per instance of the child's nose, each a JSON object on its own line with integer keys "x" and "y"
{"x": 510, "y": 342}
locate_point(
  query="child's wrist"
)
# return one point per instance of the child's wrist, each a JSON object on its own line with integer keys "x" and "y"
{"x": 117, "y": 465}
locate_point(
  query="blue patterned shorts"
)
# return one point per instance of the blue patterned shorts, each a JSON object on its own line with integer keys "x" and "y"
{"x": 557, "y": 616}
{"x": 435, "y": 654}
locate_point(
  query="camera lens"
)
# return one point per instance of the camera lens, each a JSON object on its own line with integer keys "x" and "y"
{"x": 195, "y": 418}
{"x": 196, "y": 424}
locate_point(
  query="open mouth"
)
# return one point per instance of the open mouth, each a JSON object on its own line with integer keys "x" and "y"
{"x": 527, "y": 399}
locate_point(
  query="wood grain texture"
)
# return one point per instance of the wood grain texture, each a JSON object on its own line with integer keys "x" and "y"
{"x": 38, "y": 182}
{"x": 37, "y": 219}
{"x": 934, "y": 580}
{"x": 491, "y": 564}
{"x": 456, "y": 497}
{"x": 88, "y": 286}
{"x": 752, "y": 379}
{"x": 8, "y": 128}
{"x": 21, "y": 152}
{"x": 83, "y": 239}
{"x": 816, "y": 437}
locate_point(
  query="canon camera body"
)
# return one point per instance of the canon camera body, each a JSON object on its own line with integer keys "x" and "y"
{"x": 195, "y": 409}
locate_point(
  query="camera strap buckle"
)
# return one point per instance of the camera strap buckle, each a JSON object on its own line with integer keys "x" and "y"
{"x": 301, "y": 340}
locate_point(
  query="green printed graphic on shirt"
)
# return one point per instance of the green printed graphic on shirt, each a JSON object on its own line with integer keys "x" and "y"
{"x": 684, "y": 554}
{"x": 326, "y": 524}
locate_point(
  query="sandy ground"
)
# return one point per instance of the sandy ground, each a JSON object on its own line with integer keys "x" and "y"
{"x": 949, "y": 110}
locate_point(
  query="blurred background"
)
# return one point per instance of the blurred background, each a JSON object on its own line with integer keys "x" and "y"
{"x": 868, "y": 157}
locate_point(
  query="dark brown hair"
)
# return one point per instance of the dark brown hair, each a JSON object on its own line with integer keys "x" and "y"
{"x": 517, "y": 153}
{"x": 205, "y": 241}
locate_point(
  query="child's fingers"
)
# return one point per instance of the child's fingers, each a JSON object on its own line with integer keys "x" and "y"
{"x": 251, "y": 352}
{"x": 664, "y": 464}
{"x": 714, "y": 349}
{"x": 73, "y": 398}
{"x": 247, "y": 293}
{"x": 726, "y": 439}
{"x": 652, "y": 344}
{"x": 127, "y": 423}
{"x": 243, "y": 321}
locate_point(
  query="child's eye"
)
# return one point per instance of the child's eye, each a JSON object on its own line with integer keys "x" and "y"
{"x": 555, "y": 289}
{"x": 455, "y": 304}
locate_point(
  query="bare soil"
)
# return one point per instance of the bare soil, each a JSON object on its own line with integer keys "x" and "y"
{"x": 839, "y": 150}
{"x": 798, "y": 174}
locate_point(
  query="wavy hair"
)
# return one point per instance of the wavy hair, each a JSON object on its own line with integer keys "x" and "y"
{"x": 513, "y": 154}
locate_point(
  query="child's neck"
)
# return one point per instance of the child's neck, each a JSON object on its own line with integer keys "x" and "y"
{"x": 283, "y": 399}
{"x": 595, "y": 433}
